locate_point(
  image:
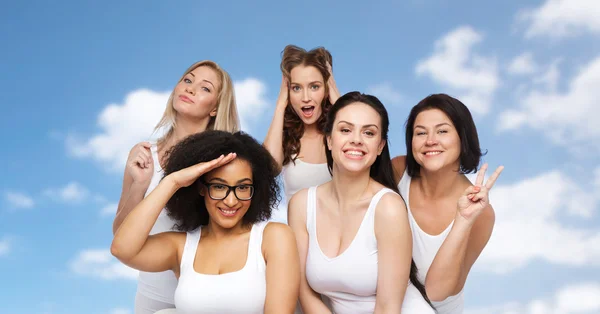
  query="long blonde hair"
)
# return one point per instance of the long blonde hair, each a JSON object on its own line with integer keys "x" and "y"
{"x": 227, "y": 116}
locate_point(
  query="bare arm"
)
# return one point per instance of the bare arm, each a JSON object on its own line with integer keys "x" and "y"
{"x": 132, "y": 244}
{"x": 136, "y": 179}
{"x": 310, "y": 300}
{"x": 274, "y": 139}
{"x": 283, "y": 269}
{"x": 470, "y": 233}
{"x": 394, "y": 253}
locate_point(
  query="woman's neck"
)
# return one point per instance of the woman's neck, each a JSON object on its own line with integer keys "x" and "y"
{"x": 348, "y": 187}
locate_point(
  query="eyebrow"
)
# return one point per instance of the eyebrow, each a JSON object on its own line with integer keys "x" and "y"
{"x": 225, "y": 182}
{"x": 313, "y": 82}
{"x": 364, "y": 126}
{"x": 205, "y": 80}
{"x": 436, "y": 126}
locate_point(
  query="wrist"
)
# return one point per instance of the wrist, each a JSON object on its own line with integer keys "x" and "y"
{"x": 170, "y": 184}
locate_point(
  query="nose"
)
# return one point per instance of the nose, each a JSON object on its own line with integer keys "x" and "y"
{"x": 431, "y": 140}
{"x": 230, "y": 200}
{"x": 356, "y": 138}
{"x": 305, "y": 96}
{"x": 190, "y": 89}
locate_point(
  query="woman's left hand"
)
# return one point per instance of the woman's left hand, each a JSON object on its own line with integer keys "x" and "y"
{"x": 476, "y": 197}
{"x": 334, "y": 94}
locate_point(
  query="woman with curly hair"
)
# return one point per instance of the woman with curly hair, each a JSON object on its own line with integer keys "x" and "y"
{"x": 352, "y": 232}
{"x": 203, "y": 99}
{"x": 295, "y": 137}
{"x": 219, "y": 188}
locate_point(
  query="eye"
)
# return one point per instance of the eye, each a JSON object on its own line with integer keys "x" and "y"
{"x": 369, "y": 133}
{"x": 206, "y": 89}
{"x": 442, "y": 131}
{"x": 345, "y": 130}
{"x": 187, "y": 80}
{"x": 218, "y": 187}
{"x": 243, "y": 188}
{"x": 315, "y": 87}
{"x": 295, "y": 88}
{"x": 421, "y": 133}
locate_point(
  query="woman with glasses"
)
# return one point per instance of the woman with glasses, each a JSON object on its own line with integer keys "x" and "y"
{"x": 219, "y": 188}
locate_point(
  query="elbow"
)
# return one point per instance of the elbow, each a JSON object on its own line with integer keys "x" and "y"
{"x": 436, "y": 292}
{"x": 117, "y": 250}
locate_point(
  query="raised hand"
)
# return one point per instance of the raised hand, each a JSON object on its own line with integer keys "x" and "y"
{"x": 187, "y": 176}
{"x": 334, "y": 94}
{"x": 284, "y": 91}
{"x": 476, "y": 197}
{"x": 140, "y": 164}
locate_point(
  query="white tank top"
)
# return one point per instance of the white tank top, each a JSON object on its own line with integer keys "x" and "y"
{"x": 349, "y": 280}
{"x": 242, "y": 291}
{"x": 303, "y": 175}
{"x": 425, "y": 247}
{"x": 158, "y": 286}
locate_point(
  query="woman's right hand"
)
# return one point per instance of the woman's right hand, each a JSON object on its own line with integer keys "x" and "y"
{"x": 284, "y": 91}
{"x": 140, "y": 164}
{"x": 187, "y": 176}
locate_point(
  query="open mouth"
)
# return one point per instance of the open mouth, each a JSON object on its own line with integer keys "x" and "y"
{"x": 354, "y": 154}
{"x": 308, "y": 111}
{"x": 432, "y": 153}
{"x": 228, "y": 212}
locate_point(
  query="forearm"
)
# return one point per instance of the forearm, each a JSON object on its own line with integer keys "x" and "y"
{"x": 136, "y": 226}
{"x": 131, "y": 196}
{"x": 311, "y": 302}
{"x": 446, "y": 270}
{"x": 274, "y": 139}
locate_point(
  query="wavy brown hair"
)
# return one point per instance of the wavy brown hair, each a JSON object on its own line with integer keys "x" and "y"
{"x": 293, "y": 127}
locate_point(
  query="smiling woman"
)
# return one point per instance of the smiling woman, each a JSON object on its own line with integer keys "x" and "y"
{"x": 220, "y": 189}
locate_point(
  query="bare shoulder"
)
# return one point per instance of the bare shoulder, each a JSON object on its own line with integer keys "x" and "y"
{"x": 399, "y": 165}
{"x": 299, "y": 198}
{"x": 277, "y": 237}
{"x": 390, "y": 206}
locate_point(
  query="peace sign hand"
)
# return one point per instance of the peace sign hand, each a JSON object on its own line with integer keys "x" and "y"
{"x": 187, "y": 176}
{"x": 476, "y": 197}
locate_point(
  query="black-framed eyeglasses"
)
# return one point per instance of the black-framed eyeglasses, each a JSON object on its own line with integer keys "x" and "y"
{"x": 220, "y": 191}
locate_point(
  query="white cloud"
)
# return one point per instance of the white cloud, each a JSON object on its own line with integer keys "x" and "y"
{"x": 455, "y": 66}
{"x": 528, "y": 224}
{"x": 386, "y": 93}
{"x": 109, "y": 210}
{"x": 581, "y": 298}
{"x": 73, "y": 192}
{"x": 562, "y": 18}
{"x": 99, "y": 263}
{"x": 18, "y": 200}
{"x": 523, "y": 64}
{"x": 123, "y": 125}
{"x": 120, "y": 311}
{"x": 567, "y": 118}
{"x": 5, "y": 246}
{"x": 251, "y": 101}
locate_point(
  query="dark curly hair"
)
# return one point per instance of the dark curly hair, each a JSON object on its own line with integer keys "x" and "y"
{"x": 470, "y": 151}
{"x": 187, "y": 206}
{"x": 293, "y": 127}
{"x": 381, "y": 170}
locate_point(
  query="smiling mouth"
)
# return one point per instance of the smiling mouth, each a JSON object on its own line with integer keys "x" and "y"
{"x": 354, "y": 153}
{"x": 228, "y": 212}
{"x": 432, "y": 153}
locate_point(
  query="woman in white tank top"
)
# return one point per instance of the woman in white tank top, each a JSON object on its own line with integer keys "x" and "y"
{"x": 295, "y": 137}
{"x": 352, "y": 232}
{"x": 203, "y": 99}
{"x": 219, "y": 188}
{"x": 442, "y": 145}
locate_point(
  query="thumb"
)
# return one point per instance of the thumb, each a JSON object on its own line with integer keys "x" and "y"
{"x": 473, "y": 189}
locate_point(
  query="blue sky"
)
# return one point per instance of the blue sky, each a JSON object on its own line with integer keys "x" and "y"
{"x": 82, "y": 82}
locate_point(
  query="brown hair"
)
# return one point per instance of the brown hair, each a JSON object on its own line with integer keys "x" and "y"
{"x": 293, "y": 127}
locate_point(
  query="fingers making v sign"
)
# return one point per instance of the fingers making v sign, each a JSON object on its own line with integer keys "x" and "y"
{"x": 476, "y": 197}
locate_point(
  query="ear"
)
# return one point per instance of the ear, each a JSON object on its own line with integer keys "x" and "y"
{"x": 202, "y": 190}
{"x": 328, "y": 138}
{"x": 213, "y": 113}
{"x": 381, "y": 146}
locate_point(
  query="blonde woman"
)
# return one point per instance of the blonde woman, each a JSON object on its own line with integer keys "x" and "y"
{"x": 203, "y": 99}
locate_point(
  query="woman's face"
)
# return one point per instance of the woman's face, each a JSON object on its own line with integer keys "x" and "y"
{"x": 196, "y": 95}
{"x": 224, "y": 207}
{"x": 435, "y": 141}
{"x": 307, "y": 91}
{"x": 355, "y": 140}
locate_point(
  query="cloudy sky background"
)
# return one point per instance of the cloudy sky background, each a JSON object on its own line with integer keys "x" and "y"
{"x": 81, "y": 83}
